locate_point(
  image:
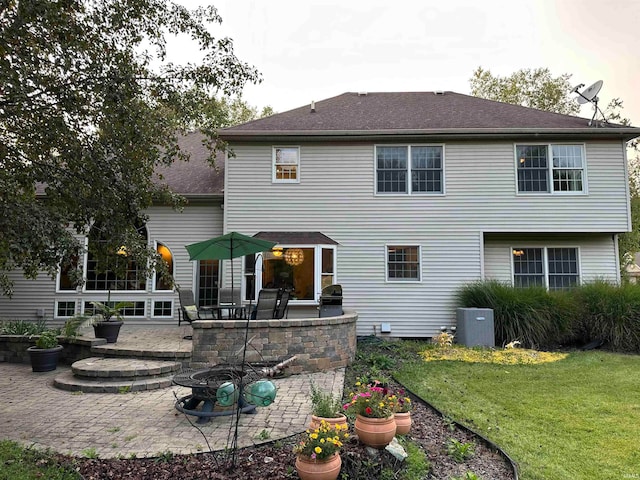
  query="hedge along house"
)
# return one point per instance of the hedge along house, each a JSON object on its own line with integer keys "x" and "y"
{"x": 168, "y": 230}
{"x": 403, "y": 197}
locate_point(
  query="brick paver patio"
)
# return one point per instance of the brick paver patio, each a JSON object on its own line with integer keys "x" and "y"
{"x": 144, "y": 424}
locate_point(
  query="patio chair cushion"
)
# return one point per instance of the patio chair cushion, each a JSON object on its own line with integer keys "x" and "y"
{"x": 191, "y": 311}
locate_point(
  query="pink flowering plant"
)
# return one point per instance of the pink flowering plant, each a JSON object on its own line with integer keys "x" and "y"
{"x": 322, "y": 442}
{"x": 372, "y": 400}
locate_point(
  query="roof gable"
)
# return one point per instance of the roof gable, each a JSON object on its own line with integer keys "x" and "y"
{"x": 413, "y": 112}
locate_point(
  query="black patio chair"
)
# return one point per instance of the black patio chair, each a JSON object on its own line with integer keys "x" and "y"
{"x": 266, "y": 306}
{"x": 282, "y": 308}
{"x": 189, "y": 311}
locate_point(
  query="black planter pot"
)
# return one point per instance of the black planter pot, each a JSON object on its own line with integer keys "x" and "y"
{"x": 44, "y": 359}
{"x": 108, "y": 330}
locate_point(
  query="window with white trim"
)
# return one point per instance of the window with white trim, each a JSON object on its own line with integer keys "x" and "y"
{"x": 162, "y": 308}
{"x": 303, "y": 270}
{"x": 411, "y": 169}
{"x": 553, "y": 168}
{"x": 403, "y": 263}
{"x": 159, "y": 282}
{"x": 65, "y": 309}
{"x": 553, "y": 268}
{"x": 135, "y": 309}
{"x": 286, "y": 164}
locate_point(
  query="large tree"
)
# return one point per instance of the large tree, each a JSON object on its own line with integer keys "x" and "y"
{"x": 89, "y": 106}
{"x": 537, "y": 88}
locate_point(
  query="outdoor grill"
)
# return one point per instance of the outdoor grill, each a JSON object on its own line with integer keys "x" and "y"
{"x": 331, "y": 301}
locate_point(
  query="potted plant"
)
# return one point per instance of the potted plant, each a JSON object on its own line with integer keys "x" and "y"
{"x": 109, "y": 320}
{"x": 44, "y": 355}
{"x": 402, "y": 413}
{"x": 324, "y": 406}
{"x": 374, "y": 407}
{"x": 318, "y": 454}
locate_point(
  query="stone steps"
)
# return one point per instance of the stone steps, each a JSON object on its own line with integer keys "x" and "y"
{"x": 118, "y": 375}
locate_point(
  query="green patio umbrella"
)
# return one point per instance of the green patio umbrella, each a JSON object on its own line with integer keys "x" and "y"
{"x": 229, "y": 246}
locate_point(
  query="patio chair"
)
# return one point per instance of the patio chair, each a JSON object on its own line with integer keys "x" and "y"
{"x": 266, "y": 305}
{"x": 189, "y": 311}
{"x": 282, "y": 308}
{"x": 233, "y": 298}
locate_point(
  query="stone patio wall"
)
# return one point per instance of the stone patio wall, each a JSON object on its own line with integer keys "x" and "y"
{"x": 318, "y": 343}
{"x": 13, "y": 348}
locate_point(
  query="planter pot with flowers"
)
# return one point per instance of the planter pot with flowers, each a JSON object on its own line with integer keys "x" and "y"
{"x": 46, "y": 352}
{"x": 402, "y": 414}
{"x": 373, "y": 406}
{"x": 324, "y": 406}
{"x": 318, "y": 454}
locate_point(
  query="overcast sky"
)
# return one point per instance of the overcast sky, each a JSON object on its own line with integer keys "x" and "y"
{"x": 315, "y": 49}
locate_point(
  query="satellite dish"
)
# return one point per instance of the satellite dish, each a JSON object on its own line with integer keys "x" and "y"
{"x": 589, "y": 93}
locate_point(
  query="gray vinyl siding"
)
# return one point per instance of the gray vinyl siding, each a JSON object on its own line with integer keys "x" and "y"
{"x": 597, "y": 255}
{"x": 336, "y": 195}
{"x": 165, "y": 225}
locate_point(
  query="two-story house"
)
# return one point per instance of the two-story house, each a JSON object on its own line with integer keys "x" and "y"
{"x": 401, "y": 198}
{"x": 412, "y": 195}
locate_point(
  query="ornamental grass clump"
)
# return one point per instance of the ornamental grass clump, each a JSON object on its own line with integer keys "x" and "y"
{"x": 372, "y": 401}
{"x": 322, "y": 442}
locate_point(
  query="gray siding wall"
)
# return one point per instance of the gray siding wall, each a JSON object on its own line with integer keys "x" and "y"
{"x": 173, "y": 229}
{"x": 336, "y": 195}
{"x": 597, "y": 255}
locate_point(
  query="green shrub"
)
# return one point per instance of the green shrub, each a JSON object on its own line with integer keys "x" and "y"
{"x": 541, "y": 319}
{"x": 22, "y": 327}
{"x": 47, "y": 339}
{"x": 609, "y": 313}
{"x": 528, "y": 315}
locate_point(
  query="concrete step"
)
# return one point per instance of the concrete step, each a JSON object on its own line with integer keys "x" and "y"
{"x": 125, "y": 368}
{"x": 116, "y": 351}
{"x": 117, "y": 375}
{"x": 68, "y": 382}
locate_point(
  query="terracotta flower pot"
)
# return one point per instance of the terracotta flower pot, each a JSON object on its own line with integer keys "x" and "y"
{"x": 375, "y": 432}
{"x": 403, "y": 422}
{"x": 315, "y": 421}
{"x": 326, "y": 469}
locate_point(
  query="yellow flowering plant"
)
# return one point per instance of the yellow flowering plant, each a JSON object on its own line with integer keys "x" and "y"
{"x": 322, "y": 442}
{"x": 372, "y": 401}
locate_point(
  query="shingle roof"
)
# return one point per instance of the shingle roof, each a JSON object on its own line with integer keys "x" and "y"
{"x": 297, "y": 238}
{"x": 197, "y": 176}
{"x": 395, "y": 113}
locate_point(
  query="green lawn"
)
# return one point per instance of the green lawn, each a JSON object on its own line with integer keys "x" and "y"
{"x": 18, "y": 463}
{"x": 577, "y": 418}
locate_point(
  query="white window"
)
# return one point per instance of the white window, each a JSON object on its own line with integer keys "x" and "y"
{"x": 403, "y": 263}
{"x": 160, "y": 283}
{"x": 552, "y": 168}
{"x": 301, "y": 269}
{"x": 410, "y": 169}
{"x": 286, "y": 164}
{"x": 136, "y": 309}
{"x": 162, "y": 308}
{"x": 553, "y": 268}
{"x": 65, "y": 309}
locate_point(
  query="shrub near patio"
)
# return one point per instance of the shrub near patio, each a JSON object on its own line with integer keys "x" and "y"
{"x": 595, "y": 312}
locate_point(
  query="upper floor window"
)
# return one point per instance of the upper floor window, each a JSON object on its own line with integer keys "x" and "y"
{"x": 409, "y": 169}
{"x": 553, "y": 268}
{"x": 403, "y": 263}
{"x": 286, "y": 164}
{"x": 550, "y": 168}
